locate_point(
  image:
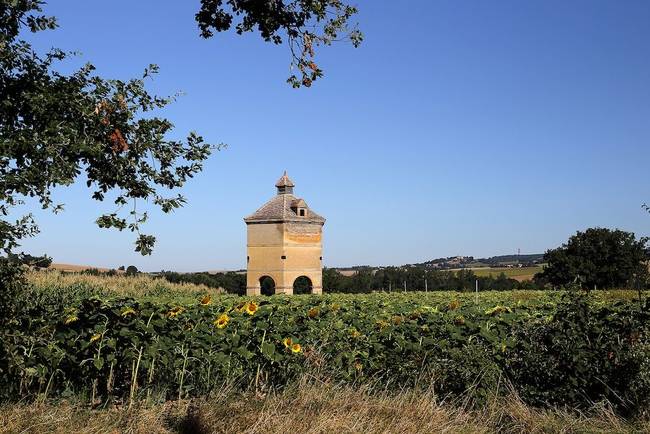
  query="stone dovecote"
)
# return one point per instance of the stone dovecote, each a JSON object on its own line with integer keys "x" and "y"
{"x": 284, "y": 243}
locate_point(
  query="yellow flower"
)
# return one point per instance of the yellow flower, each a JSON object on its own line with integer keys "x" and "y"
{"x": 70, "y": 319}
{"x": 222, "y": 321}
{"x": 355, "y": 333}
{"x": 287, "y": 342}
{"x": 313, "y": 312}
{"x": 128, "y": 311}
{"x": 454, "y": 304}
{"x": 296, "y": 348}
{"x": 251, "y": 308}
{"x": 397, "y": 319}
{"x": 382, "y": 323}
{"x": 95, "y": 337}
{"x": 498, "y": 309}
{"x": 206, "y": 300}
{"x": 358, "y": 366}
{"x": 175, "y": 312}
{"x": 240, "y": 307}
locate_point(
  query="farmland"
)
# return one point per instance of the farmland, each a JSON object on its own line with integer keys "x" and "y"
{"x": 117, "y": 341}
{"x": 520, "y": 274}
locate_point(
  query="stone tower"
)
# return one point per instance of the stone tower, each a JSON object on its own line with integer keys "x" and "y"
{"x": 284, "y": 244}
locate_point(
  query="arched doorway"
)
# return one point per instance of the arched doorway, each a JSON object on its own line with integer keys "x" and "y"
{"x": 267, "y": 285}
{"x": 302, "y": 285}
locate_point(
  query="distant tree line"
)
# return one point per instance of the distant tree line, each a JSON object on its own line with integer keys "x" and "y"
{"x": 399, "y": 279}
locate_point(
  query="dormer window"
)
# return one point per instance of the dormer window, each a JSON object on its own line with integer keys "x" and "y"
{"x": 299, "y": 206}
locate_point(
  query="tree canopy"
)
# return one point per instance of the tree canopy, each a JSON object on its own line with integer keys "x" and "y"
{"x": 57, "y": 129}
{"x": 597, "y": 257}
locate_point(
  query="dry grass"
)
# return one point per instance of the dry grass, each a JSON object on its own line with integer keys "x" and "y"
{"x": 311, "y": 409}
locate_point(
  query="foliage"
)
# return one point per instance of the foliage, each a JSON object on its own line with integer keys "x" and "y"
{"x": 582, "y": 351}
{"x": 598, "y": 257}
{"x": 131, "y": 270}
{"x": 30, "y": 260}
{"x": 303, "y": 24}
{"x": 123, "y": 348}
{"x": 54, "y": 127}
{"x": 12, "y": 283}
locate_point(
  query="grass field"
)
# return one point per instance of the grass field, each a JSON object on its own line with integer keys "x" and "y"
{"x": 310, "y": 408}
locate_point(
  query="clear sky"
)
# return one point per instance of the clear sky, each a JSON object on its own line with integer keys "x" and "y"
{"x": 457, "y": 128}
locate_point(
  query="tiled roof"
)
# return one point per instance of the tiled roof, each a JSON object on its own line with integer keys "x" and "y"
{"x": 284, "y": 181}
{"x": 280, "y": 209}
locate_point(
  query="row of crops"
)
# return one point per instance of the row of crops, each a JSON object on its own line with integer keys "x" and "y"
{"x": 551, "y": 348}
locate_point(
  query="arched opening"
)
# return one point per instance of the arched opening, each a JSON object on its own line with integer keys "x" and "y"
{"x": 267, "y": 285}
{"x": 302, "y": 285}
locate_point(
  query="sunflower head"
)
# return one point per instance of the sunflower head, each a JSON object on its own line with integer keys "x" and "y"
{"x": 222, "y": 321}
{"x": 206, "y": 300}
{"x": 313, "y": 312}
{"x": 95, "y": 337}
{"x": 251, "y": 308}
{"x": 296, "y": 348}
{"x": 287, "y": 342}
{"x": 173, "y": 313}
{"x": 70, "y": 319}
{"x": 128, "y": 311}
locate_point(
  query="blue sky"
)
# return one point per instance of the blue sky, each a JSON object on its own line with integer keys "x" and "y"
{"x": 458, "y": 127}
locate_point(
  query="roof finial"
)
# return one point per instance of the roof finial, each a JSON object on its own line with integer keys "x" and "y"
{"x": 284, "y": 184}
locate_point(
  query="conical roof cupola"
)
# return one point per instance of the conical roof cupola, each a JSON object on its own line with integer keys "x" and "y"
{"x": 284, "y": 184}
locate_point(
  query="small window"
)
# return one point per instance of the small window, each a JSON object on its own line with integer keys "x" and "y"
{"x": 284, "y": 257}
{"x": 302, "y": 213}
{"x": 248, "y": 258}
{"x": 321, "y": 258}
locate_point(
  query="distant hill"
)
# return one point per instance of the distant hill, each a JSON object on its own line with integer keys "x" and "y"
{"x": 456, "y": 262}
{"x": 453, "y": 262}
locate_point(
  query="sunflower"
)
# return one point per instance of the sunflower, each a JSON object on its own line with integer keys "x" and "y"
{"x": 95, "y": 337}
{"x": 296, "y": 348}
{"x": 313, "y": 312}
{"x": 128, "y": 311}
{"x": 175, "y": 312}
{"x": 251, "y": 308}
{"x": 355, "y": 333}
{"x": 240, "y": 307}
{"x": 222, "y": 321}
{"x": 70, "y": 319}
{"x": 206, "y": 300}
{"x": 287, "y": 342}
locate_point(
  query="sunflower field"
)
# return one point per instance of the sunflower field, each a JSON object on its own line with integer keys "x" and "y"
{"x": 552, "y": 348}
